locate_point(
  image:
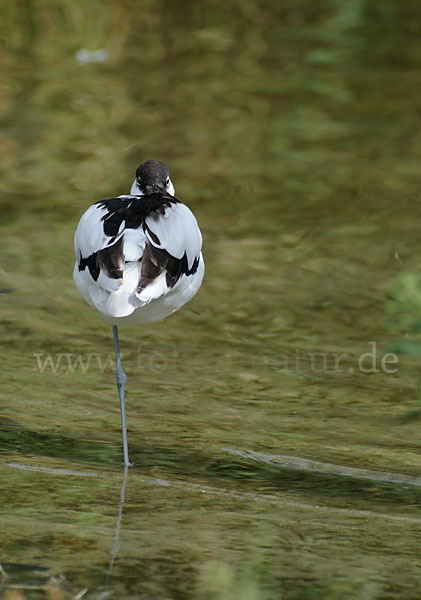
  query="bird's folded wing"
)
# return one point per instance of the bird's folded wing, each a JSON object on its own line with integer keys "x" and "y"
{"x": 90, "y": 236}
{"x": 176, "y": 231}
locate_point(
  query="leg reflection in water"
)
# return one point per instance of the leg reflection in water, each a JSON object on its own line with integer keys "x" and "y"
{"x": 115, "y": 546}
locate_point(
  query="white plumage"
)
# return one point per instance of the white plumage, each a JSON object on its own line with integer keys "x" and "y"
{"x": 171, "y": 229}
{"x": 138, "y": 257}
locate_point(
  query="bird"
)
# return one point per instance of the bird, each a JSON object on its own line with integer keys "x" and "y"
{"x": 138, "y": 259}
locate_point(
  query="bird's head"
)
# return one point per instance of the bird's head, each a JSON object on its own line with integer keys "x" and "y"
{"x": 152, "y": 176}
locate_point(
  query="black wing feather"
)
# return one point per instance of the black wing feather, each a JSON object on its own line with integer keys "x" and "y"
{"x": 133, "y": 210}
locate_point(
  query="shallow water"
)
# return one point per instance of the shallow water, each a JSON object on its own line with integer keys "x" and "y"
{"x": 274, "y": 421}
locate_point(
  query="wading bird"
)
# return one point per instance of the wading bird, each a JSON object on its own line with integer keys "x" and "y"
{"x": 138, "y": 258}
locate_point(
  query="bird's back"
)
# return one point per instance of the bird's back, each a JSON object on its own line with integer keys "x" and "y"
{"x": 138, "y": 258}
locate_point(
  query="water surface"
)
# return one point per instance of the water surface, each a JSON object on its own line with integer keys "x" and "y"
{"x": 292, "y": 132}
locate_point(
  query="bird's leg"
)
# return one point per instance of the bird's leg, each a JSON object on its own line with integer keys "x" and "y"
{"x": 121, "y": 378}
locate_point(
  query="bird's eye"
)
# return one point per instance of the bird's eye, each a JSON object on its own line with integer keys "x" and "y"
{"x": 168, "y": 181}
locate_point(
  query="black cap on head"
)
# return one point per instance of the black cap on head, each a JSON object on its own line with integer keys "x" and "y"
{"x": 152, "y": 176}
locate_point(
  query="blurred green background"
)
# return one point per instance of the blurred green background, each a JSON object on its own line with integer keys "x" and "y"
{"x": 292, "y": 129}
